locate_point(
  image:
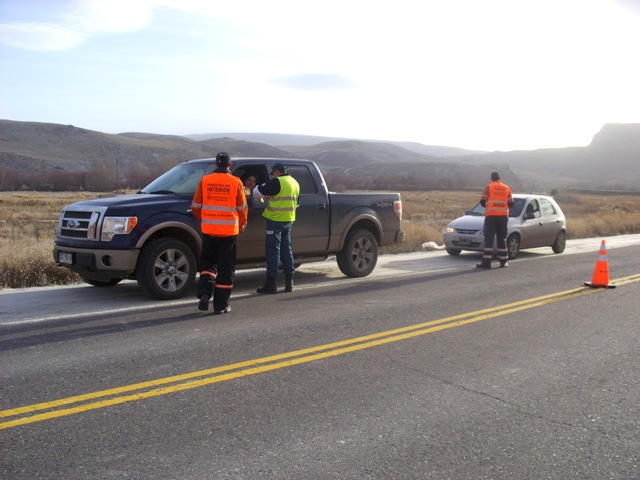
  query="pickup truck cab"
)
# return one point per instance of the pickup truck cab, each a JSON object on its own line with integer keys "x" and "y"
{"x": 153, "y": 237}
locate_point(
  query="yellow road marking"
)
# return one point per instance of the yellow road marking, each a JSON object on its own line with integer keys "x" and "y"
{"x": 163, "y": 386}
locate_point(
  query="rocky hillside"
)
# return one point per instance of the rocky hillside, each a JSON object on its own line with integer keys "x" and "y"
{"x": 609, "y": 162}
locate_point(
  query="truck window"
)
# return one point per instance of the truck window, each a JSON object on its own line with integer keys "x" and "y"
{"x": 303, "y": 176}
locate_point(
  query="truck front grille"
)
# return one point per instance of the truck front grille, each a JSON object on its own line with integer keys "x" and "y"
{"x": 80, "y": 223}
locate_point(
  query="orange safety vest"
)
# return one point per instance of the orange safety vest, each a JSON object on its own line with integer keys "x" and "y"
{"x": 220, "y": 204}
{"x": 498, "y": 196}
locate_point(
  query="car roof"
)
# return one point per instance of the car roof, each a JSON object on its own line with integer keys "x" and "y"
{"x": 530, "y": 195}
{"x": 261, "y": 159}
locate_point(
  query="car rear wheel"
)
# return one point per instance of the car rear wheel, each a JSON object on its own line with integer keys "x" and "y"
{"x": 560, "y": 243}
{"x": 359, "y": 254}
{"x": 513, "y": 246}
{"x": 166, "y": 269}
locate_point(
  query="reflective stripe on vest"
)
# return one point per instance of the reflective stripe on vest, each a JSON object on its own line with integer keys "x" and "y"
{"x": 219, "y": 214}
{"x": 497, "y": 204}
{"x": 282, "y": 207}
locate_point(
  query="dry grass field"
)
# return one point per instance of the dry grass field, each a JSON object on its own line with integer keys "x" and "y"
{"x": 28, "y": 222}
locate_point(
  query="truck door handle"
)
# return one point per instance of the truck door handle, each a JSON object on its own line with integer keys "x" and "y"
{"x": 321, "y": 206}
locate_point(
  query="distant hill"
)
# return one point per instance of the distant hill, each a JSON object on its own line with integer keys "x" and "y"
{"x": 609, "y": 162}
{"x": 29, "y": 147}
{"x": 284, "y": 141}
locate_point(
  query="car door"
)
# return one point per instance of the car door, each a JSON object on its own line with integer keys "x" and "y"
{"x": 251, "y": 241}
{"x": 550, "y": 223}
{"x": 310, "y": 233}
{"x": 532, "y": 231}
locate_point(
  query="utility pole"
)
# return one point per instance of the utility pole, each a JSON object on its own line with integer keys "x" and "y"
{"x": 117, "y": 165}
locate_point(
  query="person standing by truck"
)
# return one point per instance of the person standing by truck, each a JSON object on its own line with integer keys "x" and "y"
{"x": 283, "y": 192}
{"x": 496, "y": 198}
{"x": 220, "y": 205}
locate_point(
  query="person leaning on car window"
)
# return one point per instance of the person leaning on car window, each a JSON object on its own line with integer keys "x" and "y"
{"x": 249, "y": 184}
{"x": 496, "y": 198}
{"x": 283, "y": 193}
{"x": 220, "y": 205}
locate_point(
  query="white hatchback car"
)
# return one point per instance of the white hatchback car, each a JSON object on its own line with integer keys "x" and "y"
{"x": 534, "y": 221}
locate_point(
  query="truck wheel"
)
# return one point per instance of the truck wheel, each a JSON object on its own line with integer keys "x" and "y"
{"x": 359, "y": 255}
{"x": 100, "y": 283}
{"x": 453, "y": 251}
{"x": 166, "y": 269}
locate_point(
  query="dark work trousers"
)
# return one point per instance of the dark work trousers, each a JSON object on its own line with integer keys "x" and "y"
{"x": 278, "y": 247}
{"x": 495, "y": 229}
{"x": 217, "y": 268}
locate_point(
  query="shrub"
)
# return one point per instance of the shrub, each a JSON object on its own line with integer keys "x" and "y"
{"x": 28, "y": 223}
{"x": 31, "y": 265}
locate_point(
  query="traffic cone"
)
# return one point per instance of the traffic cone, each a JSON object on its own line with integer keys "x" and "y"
{"x": 600, "y": 277}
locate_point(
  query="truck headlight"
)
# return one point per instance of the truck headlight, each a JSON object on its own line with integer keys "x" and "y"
{"x": 117, "y": 226}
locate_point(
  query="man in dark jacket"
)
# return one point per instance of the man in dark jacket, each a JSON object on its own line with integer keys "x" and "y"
{"x": 283, "y": 193}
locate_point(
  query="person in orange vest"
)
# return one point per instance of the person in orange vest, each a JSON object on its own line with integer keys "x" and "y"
{"x": 220, "y": 205}
{"x": 496, "y": 198}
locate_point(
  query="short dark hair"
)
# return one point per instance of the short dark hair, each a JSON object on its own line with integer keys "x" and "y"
{"x": 495, "y": 176}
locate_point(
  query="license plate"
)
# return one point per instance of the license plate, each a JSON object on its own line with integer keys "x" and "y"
{"x": 464, "y": 241}
{"x": 65, "y": 257}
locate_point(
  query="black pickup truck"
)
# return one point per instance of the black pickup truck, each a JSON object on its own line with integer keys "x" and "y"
{"x": 153, "y": 237}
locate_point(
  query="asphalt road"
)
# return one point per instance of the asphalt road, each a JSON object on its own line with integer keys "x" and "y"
{"x": 429, "y": 368}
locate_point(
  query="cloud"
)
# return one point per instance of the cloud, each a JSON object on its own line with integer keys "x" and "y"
{"x": 80, "y": 21}
{"x": 109, "y": 16}
{"x": 315, "y": 82}
{"x": 40, "y": 36}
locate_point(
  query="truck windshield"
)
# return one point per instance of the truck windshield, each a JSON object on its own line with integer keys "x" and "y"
{"x": 182, "y": 179}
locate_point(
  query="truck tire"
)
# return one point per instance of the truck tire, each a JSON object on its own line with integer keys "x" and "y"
{"x": 359, "y": 254}
{"x": 166, "y": 269}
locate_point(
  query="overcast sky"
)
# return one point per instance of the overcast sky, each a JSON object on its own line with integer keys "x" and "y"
{"x": 479, "y": 74}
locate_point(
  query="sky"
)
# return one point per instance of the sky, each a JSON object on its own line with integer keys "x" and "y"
{"x": 477, "y": 74}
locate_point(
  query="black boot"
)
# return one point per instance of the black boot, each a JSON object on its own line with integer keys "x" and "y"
{"x": 288, "y": 283}
{"x": 269, "y": 286}
{"x": 485, "y": 263}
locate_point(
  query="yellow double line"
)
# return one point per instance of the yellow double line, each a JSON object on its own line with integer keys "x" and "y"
{"x": 155, "y": 388}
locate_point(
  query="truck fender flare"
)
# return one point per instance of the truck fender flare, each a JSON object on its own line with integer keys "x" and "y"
{"x": 193, "y": 236}
{"x": 362, "y": 217}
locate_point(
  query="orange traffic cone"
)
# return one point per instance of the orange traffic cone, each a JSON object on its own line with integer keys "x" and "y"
{"x": 601, "y": 273}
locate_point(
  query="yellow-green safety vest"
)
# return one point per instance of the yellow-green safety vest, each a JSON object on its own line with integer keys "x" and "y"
{"x": 282, "y": 207}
